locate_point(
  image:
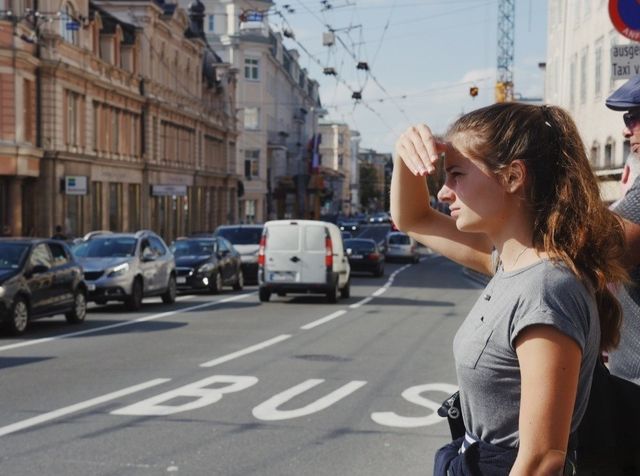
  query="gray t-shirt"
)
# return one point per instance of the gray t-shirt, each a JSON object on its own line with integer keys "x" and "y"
{"x": 625, "y": 360}
{"x": 484, "y": 346}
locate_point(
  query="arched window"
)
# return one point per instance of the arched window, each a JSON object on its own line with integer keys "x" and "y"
{"x": 594, "y": 154}
{"x": 69, "y": 25}
{"x": 609, "y": 152}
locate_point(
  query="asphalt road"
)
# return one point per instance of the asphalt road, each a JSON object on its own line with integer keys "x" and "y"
{"x": 225, "y": 385}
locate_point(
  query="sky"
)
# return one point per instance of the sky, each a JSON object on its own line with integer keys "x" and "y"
{"x": 423, "y": 56}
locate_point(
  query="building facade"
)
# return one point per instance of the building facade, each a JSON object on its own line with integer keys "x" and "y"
{"x": 278, "y": 107}
{"x": 337, "y": 163}
{"x": 132, "y": 117}
{"x": 579, "y": 78}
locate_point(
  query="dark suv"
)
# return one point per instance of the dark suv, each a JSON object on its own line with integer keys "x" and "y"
{"x": 127, "y": 267}
{"x": 245, "y": 239}
{"x": 39, "y": 278}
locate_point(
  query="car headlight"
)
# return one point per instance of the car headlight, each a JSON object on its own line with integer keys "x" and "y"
{"x": 205, "y": 268}
{"x": 118, "y": 270}
{"x": 2, "y": 291}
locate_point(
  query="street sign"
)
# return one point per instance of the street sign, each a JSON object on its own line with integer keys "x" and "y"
{"x": 625, "y": 16}
{"x": 72, "y": 26}
{"x": 625, "y": 61}
{"x": 75, "y": 185}
{"x": 168, "y": 190}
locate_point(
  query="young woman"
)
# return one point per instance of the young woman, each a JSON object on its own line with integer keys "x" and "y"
{"x": 525, "y": 208}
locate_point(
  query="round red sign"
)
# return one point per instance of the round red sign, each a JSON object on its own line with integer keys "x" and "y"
{"x": 625, "y": 16}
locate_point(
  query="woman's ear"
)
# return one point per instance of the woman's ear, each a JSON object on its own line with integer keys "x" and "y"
{"x": 515, "y": 176}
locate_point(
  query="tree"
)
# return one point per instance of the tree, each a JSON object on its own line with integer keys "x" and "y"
{"x": 370, "y": 194}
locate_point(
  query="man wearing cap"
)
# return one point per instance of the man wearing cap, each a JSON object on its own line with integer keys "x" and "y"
{"x": 625, "y": 360}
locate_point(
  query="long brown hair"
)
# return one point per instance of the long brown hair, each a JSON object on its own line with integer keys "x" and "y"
{"x": 571, "y": 223}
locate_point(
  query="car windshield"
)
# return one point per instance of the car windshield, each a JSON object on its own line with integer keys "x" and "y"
{"x": 107, "y": 247}
{"x": 192, "y": 248}
{"x": 360, "y": 246}
{"x": 241, "y": 235}
{"x": 12, "y": 255}
{"x": 399, "y": 240}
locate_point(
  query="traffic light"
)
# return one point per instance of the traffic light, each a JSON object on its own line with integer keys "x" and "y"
{"x": 473, "y": 91}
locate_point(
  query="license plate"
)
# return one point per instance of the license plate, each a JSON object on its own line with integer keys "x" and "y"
{"x": 357, "y": 256}
{"x": 181, "y": 280}
{"x": 282, "y": 276}
{"x": 91, "y": 287}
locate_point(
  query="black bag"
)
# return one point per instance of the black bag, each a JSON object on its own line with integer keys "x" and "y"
{"x": 609, "y": 434}
{"x": 451, "y": 409}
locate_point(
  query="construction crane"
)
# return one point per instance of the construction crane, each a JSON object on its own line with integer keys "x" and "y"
{"x": 506, "y": 34}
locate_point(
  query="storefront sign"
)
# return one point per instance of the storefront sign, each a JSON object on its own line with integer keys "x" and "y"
{"x": 75, "y": 185}
{"x": 168, "y": 190}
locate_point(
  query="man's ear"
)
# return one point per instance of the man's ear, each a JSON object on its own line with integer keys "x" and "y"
{"x": 626, "y": 172}
{"x": 515, "y": 176}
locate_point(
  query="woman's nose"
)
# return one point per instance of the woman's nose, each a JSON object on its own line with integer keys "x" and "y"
{"x": 445, "y": 194}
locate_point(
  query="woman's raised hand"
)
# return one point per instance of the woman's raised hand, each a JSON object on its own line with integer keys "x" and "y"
{"x": 419, "y": 150}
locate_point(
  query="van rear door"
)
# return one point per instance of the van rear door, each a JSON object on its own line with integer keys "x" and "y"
{"x": 283, "y": 253}
{"x": 314, "y": 246}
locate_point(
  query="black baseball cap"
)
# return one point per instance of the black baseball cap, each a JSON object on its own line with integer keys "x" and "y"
{"x": 626, "y": 96}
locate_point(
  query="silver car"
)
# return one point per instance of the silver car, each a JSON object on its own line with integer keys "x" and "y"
{"x": 400, "y": 246}
{"x": 127, "y": 267}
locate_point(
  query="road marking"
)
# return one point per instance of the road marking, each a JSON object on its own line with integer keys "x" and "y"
{"x": 356, "y": 305}
{"x": 322, "y": 320}
{"x": 21, "y": 425}
{"x": 126, "y": 323}
{"x": 248, "y": 350}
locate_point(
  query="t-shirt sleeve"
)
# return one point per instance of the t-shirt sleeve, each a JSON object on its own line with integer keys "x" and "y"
{"x": 564, "y": 303}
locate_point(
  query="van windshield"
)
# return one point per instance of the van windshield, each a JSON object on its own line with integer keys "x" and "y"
{"x": 283, "y": 238}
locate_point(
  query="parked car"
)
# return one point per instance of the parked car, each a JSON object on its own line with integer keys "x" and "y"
{"x": 365, "y": 255}
{"x": 380, "y": 217}
{"x": 127, "y": 267}
{"x": 400, "y": 246}
{"x": 303, "y": 256}
{"x": 207, "y": 263}
{"x": 39, "y": 278}
{"x": 346, "y": 235}
{"x": 245, "y": 239}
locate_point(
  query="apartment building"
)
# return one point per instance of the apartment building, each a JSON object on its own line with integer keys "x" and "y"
{"x": 278, "y": 107}
{"x": 579, "y": 78}
{"x": 337, "y": 163}
{"x": 132, "y": 116}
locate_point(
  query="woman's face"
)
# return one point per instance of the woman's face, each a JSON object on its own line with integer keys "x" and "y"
{"x": 477, "y": 199}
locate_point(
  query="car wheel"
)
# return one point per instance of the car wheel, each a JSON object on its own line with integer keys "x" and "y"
{"x": 264, "y": 295}
{"x": 215, "y": 283}
{"x": 332, "y": 294}
{"x": 79, "y": 311}
{"x": 17, "y": 320}
{"x": 239, "y": 284}
{"x": 134, "y": 302}
{"x": 169, "y": 296}
{"x": 345, "y": 292}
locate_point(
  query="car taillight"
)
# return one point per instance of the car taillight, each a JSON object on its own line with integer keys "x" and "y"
{"x": 263, "y": 242}
{"x": 328, "y": 257}
{"x": 373, "y": 256}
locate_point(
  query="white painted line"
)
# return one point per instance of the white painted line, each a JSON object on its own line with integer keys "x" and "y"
{"x": 248, "y": 350}
{"x": 321, "y": 321}
{"x": 21, "y": 425}
{"x": 121, "y": 324}
{"x": 356, "y": 305}
{"x": 379, "y": 291}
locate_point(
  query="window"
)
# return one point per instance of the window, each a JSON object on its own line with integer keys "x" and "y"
{"x": 251, "y": 118}
{"x": 134, "y": 206}
{"x": 68, "y": 25}
{"x": 60, "y": 258}
{"x": 609, "y": 152}
{"x": 211, "y": 22}
{"x": 72, "y": 121}
{"x": 598, "y": 68}
{"x": 40, "y": 256}
{"x": 252, "y": 69}
{"x": 250, "y": 211}
{"x": 157, "y": 246}
{"x": 115, "y": 206}
{"x": 251, "y": 163}
{"x": 583, "y": 75}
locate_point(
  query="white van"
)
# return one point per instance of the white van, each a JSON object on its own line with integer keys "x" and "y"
{"x": 302, "y": 256}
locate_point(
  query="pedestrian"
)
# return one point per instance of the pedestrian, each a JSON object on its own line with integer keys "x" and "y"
{"x": 624, "y": 361}
{"x": 58, "y": 234}
{"x": 525, "y": 208}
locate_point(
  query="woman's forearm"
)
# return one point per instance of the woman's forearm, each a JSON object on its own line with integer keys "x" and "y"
{"x": 409, "y": 196}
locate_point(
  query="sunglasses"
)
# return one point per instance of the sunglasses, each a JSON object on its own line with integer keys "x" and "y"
{"x": 630, "y": 118}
